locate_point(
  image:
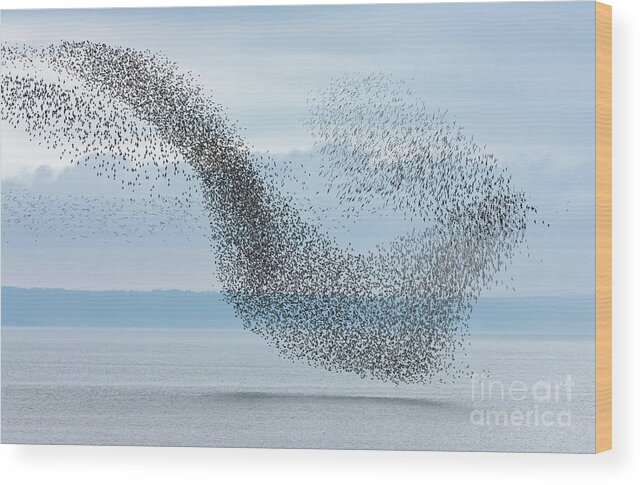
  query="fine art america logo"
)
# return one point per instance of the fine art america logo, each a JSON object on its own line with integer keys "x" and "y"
{"x": 543, "y": 403}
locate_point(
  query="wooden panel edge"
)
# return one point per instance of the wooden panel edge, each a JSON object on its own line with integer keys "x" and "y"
{"x": 603, "y": 227}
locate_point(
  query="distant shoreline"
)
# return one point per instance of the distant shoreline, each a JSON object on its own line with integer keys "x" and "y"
{"x": 46, "y": 307}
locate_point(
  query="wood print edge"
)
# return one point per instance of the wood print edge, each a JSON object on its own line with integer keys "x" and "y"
{"x": 603, "y": 227}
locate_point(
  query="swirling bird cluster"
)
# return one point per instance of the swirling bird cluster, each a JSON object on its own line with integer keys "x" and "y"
{"x": 397, "y": 312}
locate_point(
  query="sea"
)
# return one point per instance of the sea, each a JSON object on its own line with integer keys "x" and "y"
{"x": 227, "y": 388}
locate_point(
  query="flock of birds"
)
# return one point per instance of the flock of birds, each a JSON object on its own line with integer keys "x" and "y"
{"x": 397, "y": 312}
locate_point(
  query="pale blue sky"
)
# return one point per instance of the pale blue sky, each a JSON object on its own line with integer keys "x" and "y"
{"x": 518, "y": 76}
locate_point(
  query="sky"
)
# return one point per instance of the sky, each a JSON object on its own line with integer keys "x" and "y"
{"x": 519, "y": 77}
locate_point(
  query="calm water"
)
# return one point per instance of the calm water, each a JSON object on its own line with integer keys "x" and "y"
{"x": 227, "y": 388}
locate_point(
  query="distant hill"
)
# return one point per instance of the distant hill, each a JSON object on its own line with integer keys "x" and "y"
{"x": 56, "y": 307}
{"x": 535, "y": 315}
{"x": 184, "y": 309}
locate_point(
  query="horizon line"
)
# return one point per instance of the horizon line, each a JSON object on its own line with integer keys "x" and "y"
{"x": 221, "y": 291}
